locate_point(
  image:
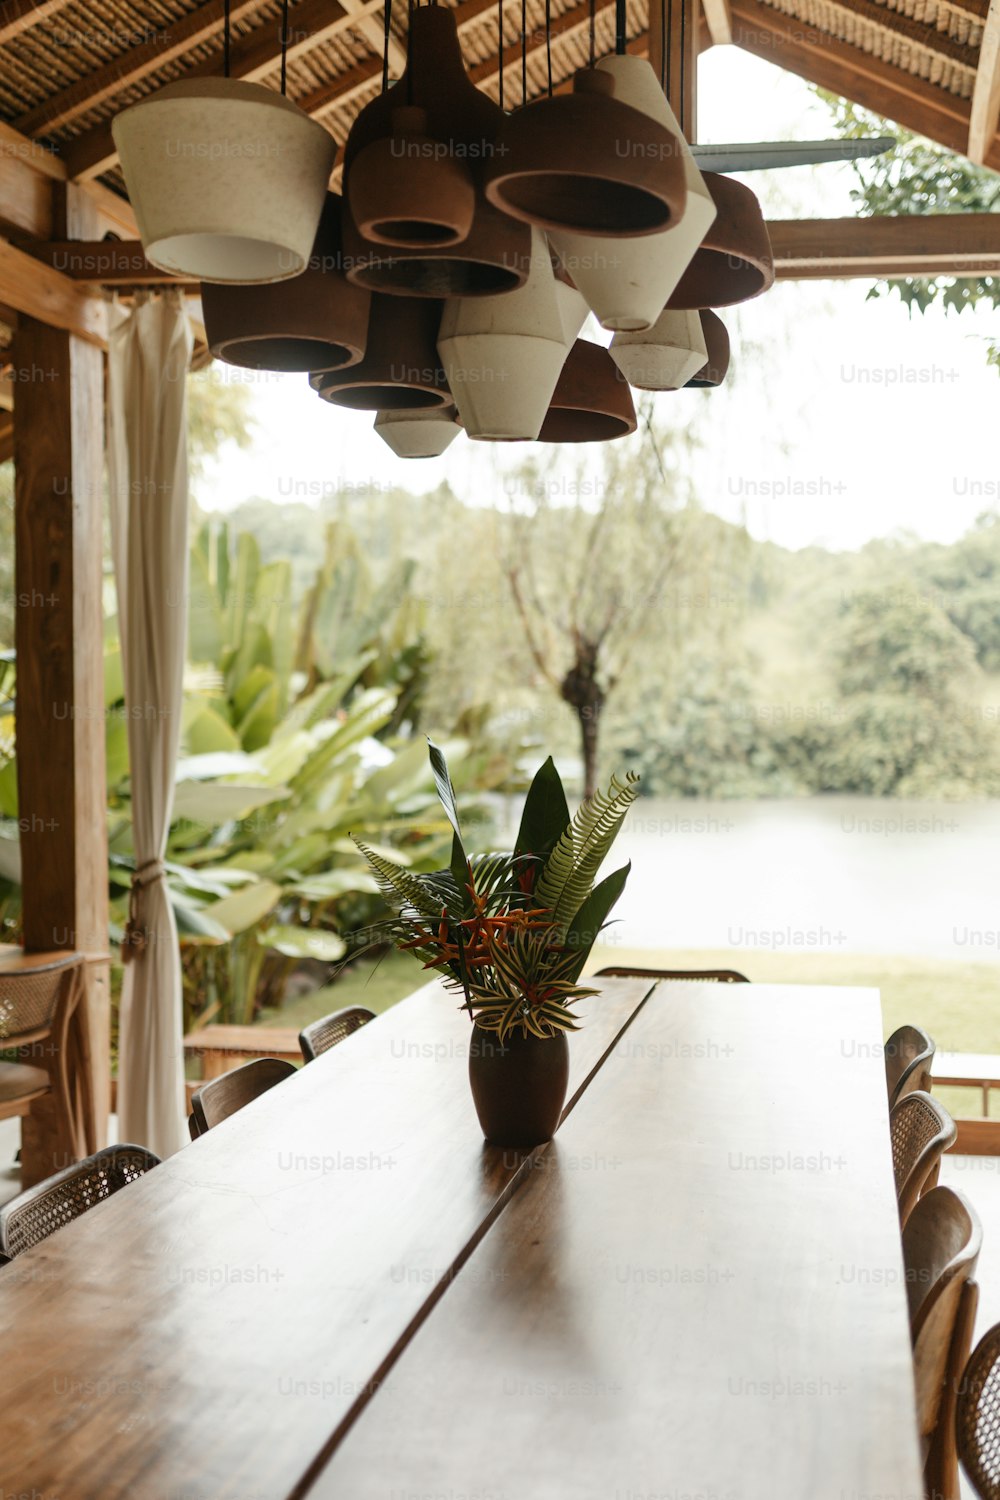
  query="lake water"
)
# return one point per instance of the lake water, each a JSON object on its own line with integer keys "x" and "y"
{"x": 831, "y": 874}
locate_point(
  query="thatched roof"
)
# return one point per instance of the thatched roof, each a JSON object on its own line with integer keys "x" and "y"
{"x": 67, "y": 66}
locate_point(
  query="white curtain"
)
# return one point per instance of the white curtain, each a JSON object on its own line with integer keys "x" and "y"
{"x": 148, "y": 358}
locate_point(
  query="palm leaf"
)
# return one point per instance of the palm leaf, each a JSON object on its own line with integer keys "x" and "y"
{"x": 566, "y": 880}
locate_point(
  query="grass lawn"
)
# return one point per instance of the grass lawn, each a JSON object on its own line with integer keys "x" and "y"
{"x": 958, "y": 1003}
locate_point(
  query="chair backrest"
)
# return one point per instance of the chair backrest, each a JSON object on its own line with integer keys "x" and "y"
{"x": 941, "y": 1243}
{"x": 921, "y": 1131}
{"x": 321, "y": 1035}
{"x": 30, "y": 999}
{"x": 712, "y": 976}
{"x": 40, "y": 1210}
{"x": 977, "y": 1420}
{"x": 223, "y": 1096}
{"x": 909, "y": 1058}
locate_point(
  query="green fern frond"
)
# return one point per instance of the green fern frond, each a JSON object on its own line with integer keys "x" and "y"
{"x": 407, "y": 892}
{"x": 569, "y": 872}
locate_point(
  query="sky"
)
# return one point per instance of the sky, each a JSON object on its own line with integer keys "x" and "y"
{"x": 843, "y": 419}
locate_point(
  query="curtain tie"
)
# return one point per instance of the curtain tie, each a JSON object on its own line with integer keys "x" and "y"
{"x": 136, "y": 932}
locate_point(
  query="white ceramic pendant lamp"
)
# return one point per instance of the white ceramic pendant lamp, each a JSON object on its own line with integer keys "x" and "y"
{"x": 227, "y": 179}
{"x": 418, "y": 434}
{"x": 627, "y": 282}
{"x": 502, "y": 356}
{"x": 665, "y": 356}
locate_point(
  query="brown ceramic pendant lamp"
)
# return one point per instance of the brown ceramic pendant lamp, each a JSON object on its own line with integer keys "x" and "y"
{"x": 401, "y": 370}
{"x": 417, "y": 221}
{"x": 440, "y": 293}
{"x": 317, "y": 321}
{"x": 585, "y": 161}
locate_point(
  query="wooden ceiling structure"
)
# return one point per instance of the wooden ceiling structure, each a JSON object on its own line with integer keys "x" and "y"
{"x": 68, "y": 237}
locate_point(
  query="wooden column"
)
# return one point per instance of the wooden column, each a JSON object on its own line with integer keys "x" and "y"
{"x": 673, "y": 29}
{"x": 58, "y": 458}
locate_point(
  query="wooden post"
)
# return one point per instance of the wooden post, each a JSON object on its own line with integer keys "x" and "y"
{"x": 673, "y": 28}
{"x": 58, "y": 459}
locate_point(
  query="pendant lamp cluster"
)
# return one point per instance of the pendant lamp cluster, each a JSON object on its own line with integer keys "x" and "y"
{"x": 447, "y": 289}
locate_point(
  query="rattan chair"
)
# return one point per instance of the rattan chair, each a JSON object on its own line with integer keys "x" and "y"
{"x": 921, "y": 1131}
{"x": 711, "y": 976}
{"x": 321, "y": 1035}
{"x": 941, "y": 1243}
{"x": 977, "y": 1419}
{"x": 42, "y": 1016}
{"x": 41, "y": 1210}
{"x": 909, "y": 1058}
{"x": 221, "y": 1097}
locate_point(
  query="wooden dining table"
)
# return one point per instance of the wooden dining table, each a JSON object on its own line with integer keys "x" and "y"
{"x": 695, "y": 1290}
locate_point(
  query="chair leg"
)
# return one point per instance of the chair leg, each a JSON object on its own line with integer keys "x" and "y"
{"x": 941, "y": 1481}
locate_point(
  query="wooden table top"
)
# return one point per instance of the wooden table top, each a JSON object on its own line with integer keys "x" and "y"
{"x": 208, "y": 1331}
{"x": 696, "y": 1289}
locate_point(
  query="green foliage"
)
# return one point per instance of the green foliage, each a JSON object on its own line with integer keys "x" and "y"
{"x": 512, "y": 932}
{"x": 919, "y": 177}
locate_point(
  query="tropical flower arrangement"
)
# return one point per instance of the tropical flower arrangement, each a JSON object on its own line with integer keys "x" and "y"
{"x": 511, "y": 932}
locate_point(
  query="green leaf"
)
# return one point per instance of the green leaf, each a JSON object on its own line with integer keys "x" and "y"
{"x": 304, "y": 942}
{"x": 401, "y": 888}
{"x": 445, "y": 790}
{"x": 218, "y": 802}
{"x": 245, "y": 908}
{"x": 593, "y": 914}
{"x": 569, "y": 872}
{"x": 208, "y": 732}
{"x": 546, "y": 813}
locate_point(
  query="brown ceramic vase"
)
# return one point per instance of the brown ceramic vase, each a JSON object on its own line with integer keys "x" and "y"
{"x": 518, "y": 1086}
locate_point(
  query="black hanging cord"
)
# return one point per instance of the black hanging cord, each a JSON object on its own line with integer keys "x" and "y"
{"x": 387, "y": 9}
{"x": 664, "y": 69}
{"x": 621, "y": 27}
{"x": 683, "y": 62}
{"x": 225, "y": 38}
{"x": 548, "y": 42}
{"x": 524, "y": 52}
{"x": 410, "y": 8}
{"x": 500, "y": 51}
{"x": 284, "y": 46}
{"x": 593, "y": 32}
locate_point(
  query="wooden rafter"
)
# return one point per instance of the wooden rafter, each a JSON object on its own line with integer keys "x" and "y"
{"x": 919, "y": 33}
{"x": 18, "y": 16}
{"x": 985, "y": 111}
{"x": 822, "y": 59}
{"x": 804, "y": 249}
{"x": 131, "y": 67}
{"x": 6, "y": 436}
{"x": 316, "y": 21}
{"x": 42, "y": 293}
{"x": 718, "y": 20}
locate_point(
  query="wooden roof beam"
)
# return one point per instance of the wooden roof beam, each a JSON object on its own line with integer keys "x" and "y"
{"x": 718, "y": 20}
{"x": 835, "y": 65}
{"x": 890, "y": 246}
{"x": 40, "y": 292}
{"x": 804, "y": 249}
{"x": 17, "y": 16}
{"x": 985, "y": 113}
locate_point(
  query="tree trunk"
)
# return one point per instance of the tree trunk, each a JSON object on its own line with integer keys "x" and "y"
{"x": 584, "y": 694}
